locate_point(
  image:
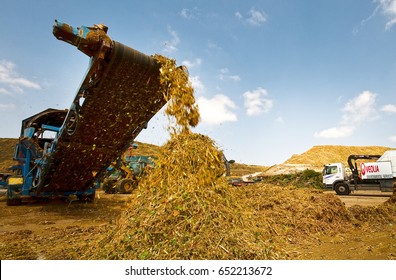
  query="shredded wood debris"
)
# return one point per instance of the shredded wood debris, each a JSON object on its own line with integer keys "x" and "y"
{"x": 179, "y": 93}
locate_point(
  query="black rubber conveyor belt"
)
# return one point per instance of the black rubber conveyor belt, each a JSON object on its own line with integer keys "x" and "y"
{"x": 114, "y": 111}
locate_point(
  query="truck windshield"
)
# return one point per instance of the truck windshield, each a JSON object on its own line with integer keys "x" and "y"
{"x": 330, "y": 170}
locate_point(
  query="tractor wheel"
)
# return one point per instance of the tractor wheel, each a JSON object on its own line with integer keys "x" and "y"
{"x": 13, "y": 197}
{"x": 14, "y": 201}
{"x": 109, "y": 186}
{"x": 126, "y": 186}
{"x": 341, "y": 189}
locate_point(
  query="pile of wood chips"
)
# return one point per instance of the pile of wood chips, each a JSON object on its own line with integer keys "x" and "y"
{"x": 184, "y": 210}
{"x": 178, "y": 219}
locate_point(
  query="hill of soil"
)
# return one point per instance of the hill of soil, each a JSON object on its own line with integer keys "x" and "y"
{"x": 270, "y": 222}
{"x": 240, "y": 169}
{"x": 318, "y": 156}
{"x": 260, "y": 222}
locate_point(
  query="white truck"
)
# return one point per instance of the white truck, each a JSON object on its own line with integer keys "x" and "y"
{"x": 377, "y": 175}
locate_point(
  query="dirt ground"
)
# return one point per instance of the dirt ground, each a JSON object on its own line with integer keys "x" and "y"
{"x": 56, "y": 229}
{"x": 59, "y": 230}
{"x": 379, "y": 242}
{"x": 364, "y": 198}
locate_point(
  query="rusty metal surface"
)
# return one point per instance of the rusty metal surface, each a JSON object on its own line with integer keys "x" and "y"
{"x": 114, "y": 111}
{"x": 93, "y": 41}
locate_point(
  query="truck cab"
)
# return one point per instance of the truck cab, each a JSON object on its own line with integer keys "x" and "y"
{"x": 333, "y": 173}
{"x": 336, "y": 177}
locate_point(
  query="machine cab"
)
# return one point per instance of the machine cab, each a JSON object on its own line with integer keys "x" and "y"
{"x": 332, "y": 173}
{"x": 38, "y": 133}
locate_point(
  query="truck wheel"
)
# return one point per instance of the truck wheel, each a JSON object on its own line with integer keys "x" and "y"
{"x": 341, "y": 189}
{"x": 126, "y": 186}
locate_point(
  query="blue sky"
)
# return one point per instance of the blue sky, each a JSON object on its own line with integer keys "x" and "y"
{"x": 271, "y": 78}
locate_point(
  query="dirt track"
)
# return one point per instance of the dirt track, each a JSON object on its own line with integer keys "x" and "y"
{"x": 60, "y": 230}
{"x": 54, "y": 230}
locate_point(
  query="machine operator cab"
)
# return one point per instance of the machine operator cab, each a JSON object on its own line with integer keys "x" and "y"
{"x": 38, "y": 133}
{"x": 332, "y": 173}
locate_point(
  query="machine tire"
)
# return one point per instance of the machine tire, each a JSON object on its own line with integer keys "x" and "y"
{"x": 108, "y": 186}
{"x": 126, "y": 186}
{"x": 14, "y": 201}
{"x": 342, "y": 189}
{"x": 13, "y": 196}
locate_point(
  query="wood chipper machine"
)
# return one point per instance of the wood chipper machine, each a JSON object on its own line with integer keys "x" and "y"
{"x": 64, "y": 152}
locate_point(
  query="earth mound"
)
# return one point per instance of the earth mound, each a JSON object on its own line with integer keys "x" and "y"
{"x": 186, "y": 210}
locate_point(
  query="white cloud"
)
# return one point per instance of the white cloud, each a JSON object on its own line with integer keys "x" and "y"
{"x": 171, "y": 45}
{"x": 186, "y": 13}
{"x": 190, "y": 13}
{"x": 216, "y": 110}
{"x": 256, "y": 103}
{"x": 355, "y": 112}
{"x": 388, "y": 8}
{"x": 389, "y": 108}
{"x": 224, "y": 70}
{"x": 335, "y": 132}
{"x": 234, "y": 78}
{"x": 12, "y": 81}
{"x": 279, "y": 120}
{"x": 190, "y": 64}
{"x": 197, "y": 84}
{"x": 254, "y": 17}
{"x": 4, "y": 91}
{"x": 393, "y": 138}
{"x": 360, "y": 109}
{"x": 364, "y": 21}
{"x": 225, "y": 76}
{"x": 7, "y": 107}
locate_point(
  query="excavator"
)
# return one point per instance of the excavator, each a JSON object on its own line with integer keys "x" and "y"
{"x": 64, "y": 152}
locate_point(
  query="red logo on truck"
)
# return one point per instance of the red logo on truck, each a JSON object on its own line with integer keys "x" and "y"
{"x": 369, "y": 168}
